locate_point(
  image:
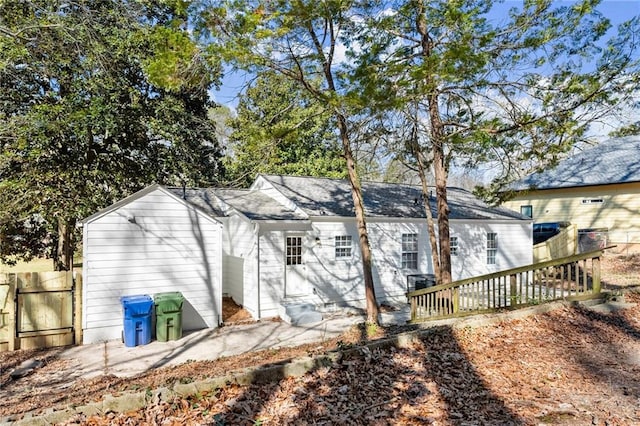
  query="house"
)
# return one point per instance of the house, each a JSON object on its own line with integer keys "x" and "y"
{"x": 291, "y": 240}
{"x": 313, "y": 254}
{"x": 598, "y": 190}
{"x": 151, "y": 242}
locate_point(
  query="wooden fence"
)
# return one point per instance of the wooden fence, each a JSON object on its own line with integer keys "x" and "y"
{"x": 40, "y": 310}
{"x": 575, "y": 277}
{"x": 562, "y": 245}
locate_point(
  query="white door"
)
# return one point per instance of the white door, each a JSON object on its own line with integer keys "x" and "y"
{"x": 295, "y": 269}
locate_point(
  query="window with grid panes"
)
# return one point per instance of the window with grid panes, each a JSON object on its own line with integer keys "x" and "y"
{"x": 294, "y": 250}
{"x": 343, "y": 246}
{"x": 410, "y": 251}
{"x": 492, "y": 248}
{"x": 453, "y": 245}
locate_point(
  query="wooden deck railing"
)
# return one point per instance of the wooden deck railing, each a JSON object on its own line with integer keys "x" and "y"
{"x": 575, "y": 277}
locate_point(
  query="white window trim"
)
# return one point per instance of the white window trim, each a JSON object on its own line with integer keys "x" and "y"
{"x": 456, "y": 246}
{"x": 415, "y": 252}
{"x": 289, "y": 256}
{"x": 493, "y": 249}
{"x": 339, "y": 240}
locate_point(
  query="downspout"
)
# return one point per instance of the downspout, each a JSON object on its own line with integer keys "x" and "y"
{"x": 85, "y": 273}
{"x": 257, "y": 232}
{"x": 221, "y": 230}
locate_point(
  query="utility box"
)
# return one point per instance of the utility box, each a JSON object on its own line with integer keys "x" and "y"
{"x": 168, "y": 315}
{"x": 137, "y": 319}
{"x": 420, "y": 281}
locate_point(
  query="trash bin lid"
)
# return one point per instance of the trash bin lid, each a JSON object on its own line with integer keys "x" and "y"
{"x": 139, "y": 304}
{"x": 168, "y": 302}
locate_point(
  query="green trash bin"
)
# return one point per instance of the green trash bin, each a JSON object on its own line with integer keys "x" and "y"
{"x": 168, "y": 315}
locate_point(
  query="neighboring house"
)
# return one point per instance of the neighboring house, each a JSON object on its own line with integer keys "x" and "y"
{"x": 294, "y": 240}
{"x": 598, "y": 188}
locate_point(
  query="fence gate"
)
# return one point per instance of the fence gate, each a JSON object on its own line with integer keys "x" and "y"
{"x": 40, "y": 310}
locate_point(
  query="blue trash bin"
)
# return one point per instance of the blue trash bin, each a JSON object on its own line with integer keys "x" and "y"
{"x": 137, "y": 319}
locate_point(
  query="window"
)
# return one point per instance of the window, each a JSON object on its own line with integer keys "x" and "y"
{"x": 453, "y": 244}
{"x": 294, "y": 250}
{"x": 593, "y": 201}
{"x": 527, "y": 210}
{"x": 409, "y": 251}
{"x": 343, "y": 246}
{"x": 492, "y": 247}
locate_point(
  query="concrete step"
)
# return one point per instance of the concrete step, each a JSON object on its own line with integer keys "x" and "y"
{"x": 299, "y": 313}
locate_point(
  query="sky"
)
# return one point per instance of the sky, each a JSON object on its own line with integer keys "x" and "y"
{"x": 616, "y": 10}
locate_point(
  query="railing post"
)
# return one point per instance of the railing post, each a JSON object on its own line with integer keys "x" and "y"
{"x": 11, "y": 313}
{"x": 486, "y": 292}
{"x": 595, "y": 264}
{"x": 413, "y": 307}
{"x": 456, "y": 299}
{"x": 585, "y": 277}
{"x": 522, "y": 285}
{"x": 77, "y": 307}
{"x": 513, "y": 290}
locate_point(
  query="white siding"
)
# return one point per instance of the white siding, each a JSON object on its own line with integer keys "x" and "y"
{"x": 386, "y": 244}
{"x": 515, "y": 246}
{"x": 152, "y": 244}
{"x": 271, "y": 287}
{"x": 339, "y": 280}
{"x": 241, "y": 259}
{"x": 335, "y": 280}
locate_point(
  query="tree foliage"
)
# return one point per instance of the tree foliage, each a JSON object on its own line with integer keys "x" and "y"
{"x": 481, "y": 86}
{"x": 280, "y": 129}
{"x": 98, "y": 99}
{"x": 300, "y": 40}
{"x": 629, "y": 130}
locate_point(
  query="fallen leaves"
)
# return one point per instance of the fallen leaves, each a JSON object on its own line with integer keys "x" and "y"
{"x": 569, "y": 366}
{"x": 561, "y": 367}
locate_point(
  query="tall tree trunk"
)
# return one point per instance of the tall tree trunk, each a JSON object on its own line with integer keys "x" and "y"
{"x": 373, "y": 311}
{"x": 415, "y": 149}
{"x": 437, "y": 143}
{"x": 326, "y": 58}
{"x": 440, "y": 173}
{"x": 63, "y": 258}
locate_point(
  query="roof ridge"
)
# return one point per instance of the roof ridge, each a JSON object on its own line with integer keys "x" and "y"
{"x": 362, "y": 181}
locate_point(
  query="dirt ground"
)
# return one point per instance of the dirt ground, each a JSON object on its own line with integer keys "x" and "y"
{"x": 571, "y": 366}
{"x": 234, "y": 314}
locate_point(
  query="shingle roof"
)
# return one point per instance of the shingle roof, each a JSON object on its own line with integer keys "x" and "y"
{"x": 615, "y": 160}
{"x": 203, "y": 198}
{"x": 252, "y": 204}
{"x": 257, "y": 206}
{"x": 332, "y": 197}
